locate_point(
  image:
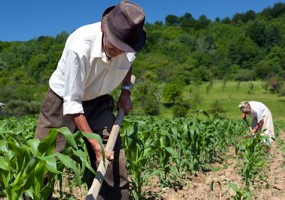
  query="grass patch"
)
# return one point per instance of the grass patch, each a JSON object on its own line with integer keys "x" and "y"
{"x": 231, "y": 93}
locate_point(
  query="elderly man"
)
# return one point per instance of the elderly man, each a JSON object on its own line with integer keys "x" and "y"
{"x": 261, "y": 119}
{"x": 96, "y": 59}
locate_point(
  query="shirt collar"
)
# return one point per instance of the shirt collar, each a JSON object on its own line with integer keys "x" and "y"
{"x": 97, "y": 51}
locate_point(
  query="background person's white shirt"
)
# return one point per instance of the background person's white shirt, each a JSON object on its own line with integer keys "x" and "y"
{"x": 84, "y": 72}
{"x": 258, "y": 110}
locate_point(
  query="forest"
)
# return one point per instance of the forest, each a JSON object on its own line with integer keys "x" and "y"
{"x": 180, "y": 51}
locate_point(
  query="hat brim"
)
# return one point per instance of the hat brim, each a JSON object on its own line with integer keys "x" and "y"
{"x": 135, "y": 47}
{"x": 243, "y": 104}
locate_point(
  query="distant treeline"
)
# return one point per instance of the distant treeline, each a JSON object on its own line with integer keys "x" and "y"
{"x": 180, "y": 51}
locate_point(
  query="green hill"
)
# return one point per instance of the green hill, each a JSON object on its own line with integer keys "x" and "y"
{"x": 231, "y": 93}
{"x": 183, "y": 56}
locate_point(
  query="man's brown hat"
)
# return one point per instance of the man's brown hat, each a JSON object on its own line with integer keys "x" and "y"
{"x": 123, "y": 26}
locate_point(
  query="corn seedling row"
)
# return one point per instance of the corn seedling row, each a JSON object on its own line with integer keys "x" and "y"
{"x": 171, "y": 149}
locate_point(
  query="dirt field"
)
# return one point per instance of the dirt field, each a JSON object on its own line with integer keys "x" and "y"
{"x": 198, "y": 186}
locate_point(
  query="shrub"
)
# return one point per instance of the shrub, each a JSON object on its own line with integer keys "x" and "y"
{"x": 151, "y": 106}
{"x": 217, "y": 109}
{"x": 244, "y": 75}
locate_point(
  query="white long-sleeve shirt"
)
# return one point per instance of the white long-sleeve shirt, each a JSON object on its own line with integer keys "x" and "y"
{"x": 258, "y": 110}
{"x": 84, "y": 72}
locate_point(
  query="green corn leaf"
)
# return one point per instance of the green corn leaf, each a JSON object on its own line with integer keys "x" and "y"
{"x": 47, "y": 145}
{"x": 93, "y": 136}
{"x": 4, "y": 164}
{"x": 3, "y": 145}
{"x": 172, "y": 152}
{"x": 233, "y": 186}
{"x": 18, "y": 153}
{"x": 83, "y": 157}
{"x": 99, "y": 139}
{"x": 69, "y": 163}
{"x": 34, "y": 145}
{"x": 40, "y": 174}
{"x": 68, "y": 135}
{"x": 50, "y": 163}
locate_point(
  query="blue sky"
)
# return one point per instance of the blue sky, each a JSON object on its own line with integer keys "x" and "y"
{"x": 22, "y": 20}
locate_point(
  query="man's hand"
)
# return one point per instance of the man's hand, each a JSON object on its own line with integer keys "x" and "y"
{"x": 125, "y": 101}
{"x": 81, "y": 123}
{"x": 98, "y": 153}
{"x": 243, "y": 116}
{"x": 251, "y": 131}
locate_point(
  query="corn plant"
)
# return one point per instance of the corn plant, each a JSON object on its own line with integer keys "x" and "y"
{"x": 242, "y": 193}
{"x": 138, "y": 154}
{"x": 168, "y": 148}
{"x": 254, "y": 159}
{"x": 177, "y": 146}
{"x": 25, "y": 165}
{"x": 165, "y": 154}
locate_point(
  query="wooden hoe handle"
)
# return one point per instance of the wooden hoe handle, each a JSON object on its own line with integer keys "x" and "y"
{"x": 101, "y": 171}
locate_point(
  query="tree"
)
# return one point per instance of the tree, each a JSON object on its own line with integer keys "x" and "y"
{"x": 187, "y": 21}
{"x": 202, "y": 22}
{"x": 217, "y": 109}
{"x": 243, "y": 52}
{"x": 171, "y": 92}
{"x": 273, "y": 36}
{"x": 172, "y": 20}
{"x": 16, "y": 108}
{"x": 277, "y": 11}
{"x": 181, "y": 107}
{"x": 245, "y": 75}
{"x": 151, "y": 106}
{"x": 274, "y": 84}
{"x": 249, "y": 15}
{"x": 36, "y": 65}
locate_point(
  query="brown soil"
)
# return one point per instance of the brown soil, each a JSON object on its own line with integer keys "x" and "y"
{"x": 198, "y": 187}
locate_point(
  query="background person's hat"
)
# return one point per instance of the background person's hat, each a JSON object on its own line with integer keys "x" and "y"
{"x": 123, "y": 26}
{"x": 243, "y": 104}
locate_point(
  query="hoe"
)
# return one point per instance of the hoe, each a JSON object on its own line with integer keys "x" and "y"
{"x": 101, "y": 171}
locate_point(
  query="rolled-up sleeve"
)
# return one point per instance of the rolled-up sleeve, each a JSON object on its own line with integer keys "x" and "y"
{"x": 74, "y": 83}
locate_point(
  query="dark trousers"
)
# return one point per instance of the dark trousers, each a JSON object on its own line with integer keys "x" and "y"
{"x": 100, "y": 117}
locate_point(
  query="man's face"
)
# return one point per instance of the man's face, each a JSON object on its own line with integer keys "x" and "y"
{"x": 110, "y": 50}
{"x": 246, "y": 109}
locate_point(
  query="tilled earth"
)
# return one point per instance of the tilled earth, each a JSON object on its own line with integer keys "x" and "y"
{"x": 198, "y": 186}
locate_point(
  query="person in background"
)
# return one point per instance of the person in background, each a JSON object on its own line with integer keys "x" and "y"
{"x": 96, "y": 59}
{"x": 261, "y": 119}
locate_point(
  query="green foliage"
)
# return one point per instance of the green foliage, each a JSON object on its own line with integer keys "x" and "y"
{"x": 182, "y": 50}
{"x": 274, "y": 84}
{"x": 16, "y": 107}
{"x": 244, "y": 75}
{"x": 195, "y": 98}
{"x": 148, "y": 95}
{"x": 172, "y": 20}
{"x": 180, "y": 110}
{"x": 201, "y": 97}
{"x": 139, "y": 152}
{"x": 21, "y": 108}
{"x": 151, "y": 106}
{"x": 255, "y": 159}
{"x": 191, "y": 143}
{"x": 217, "y": 109}
{"x": 171, "y": 92}
{"x": 152, "y": 146}
{"x": 26, "y": 162}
